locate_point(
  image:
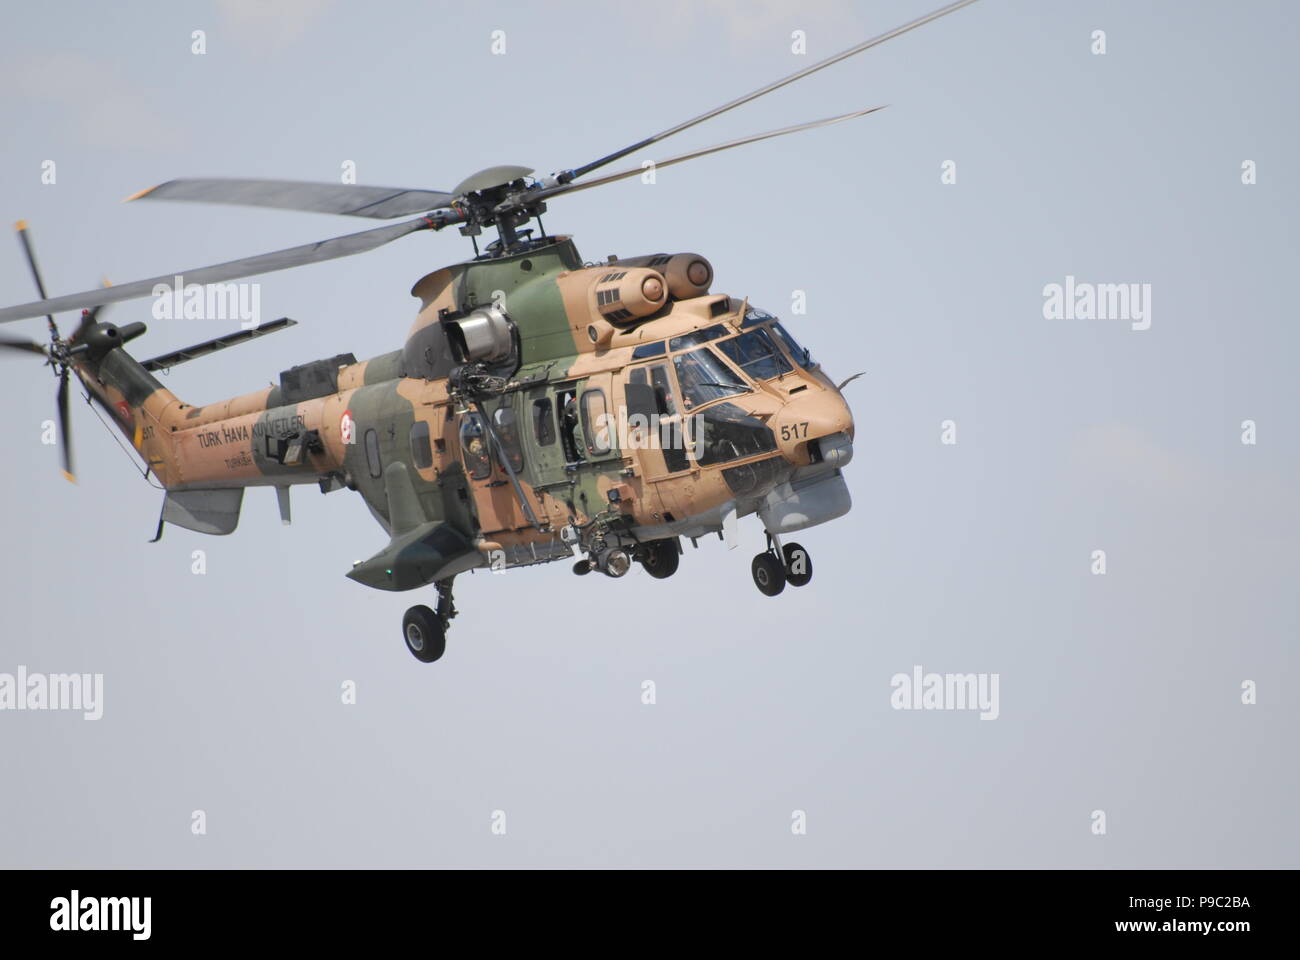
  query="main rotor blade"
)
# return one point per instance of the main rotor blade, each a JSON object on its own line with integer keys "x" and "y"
{"x": 761, "y": 91}
{"x": 26, "y": 346}
{"x": 344, "y": 246}
{"x": 380, "y": 203}
{"x": 21, "y": 227}
{"x": 546, "y": 192}
{"x": 65, "y": 421}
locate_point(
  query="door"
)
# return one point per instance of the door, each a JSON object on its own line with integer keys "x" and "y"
{"x": 651, "y": 400}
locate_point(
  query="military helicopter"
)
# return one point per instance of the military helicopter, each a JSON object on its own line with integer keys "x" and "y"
{"x": 541, "y": 405}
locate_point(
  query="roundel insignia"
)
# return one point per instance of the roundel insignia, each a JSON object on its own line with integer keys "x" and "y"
{"x": 347, "y": 427}
{"x": 123, "y": 410}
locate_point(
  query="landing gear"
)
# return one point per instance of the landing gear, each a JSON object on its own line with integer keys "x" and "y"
{"x": 778, "y": 565}
{"x": 769, "y": 574}
{"x": 798, "y": 565}
{"x": 659, "y": 558}
{"x": 425, "y": 630}
{"x": 424, "y": 633}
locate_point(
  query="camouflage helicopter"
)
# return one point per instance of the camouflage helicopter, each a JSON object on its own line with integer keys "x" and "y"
{"x": 541, "y": 405}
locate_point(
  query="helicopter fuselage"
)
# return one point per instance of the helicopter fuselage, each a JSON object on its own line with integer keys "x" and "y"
{"x": 539, "y": 406}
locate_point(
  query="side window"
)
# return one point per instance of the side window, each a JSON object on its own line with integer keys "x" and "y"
{"x": 566, "y": 404}
{"x": 372, "y": 453}
{"x": 663, "y": 390}
{"x": 506, "y": 426}
{"x": 543, "y": 422}
{"x": 594, "y": 423}
{"x": 474, "y": 448}
{"x": 421, "y": 451}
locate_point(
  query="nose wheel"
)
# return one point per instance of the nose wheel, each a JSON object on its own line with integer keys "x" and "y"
{"x": 778, "y": 565}
{"x": 425, "y": 630}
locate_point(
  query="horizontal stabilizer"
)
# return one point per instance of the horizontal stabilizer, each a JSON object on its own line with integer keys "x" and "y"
{"x": 168, "y": 360}
{"x": 204, "y": 511}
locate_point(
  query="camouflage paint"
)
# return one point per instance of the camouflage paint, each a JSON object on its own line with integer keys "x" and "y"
{"x": 565, "y": 315}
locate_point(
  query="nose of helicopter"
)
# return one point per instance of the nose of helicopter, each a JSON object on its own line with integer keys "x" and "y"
{"x": 815, "y": 427}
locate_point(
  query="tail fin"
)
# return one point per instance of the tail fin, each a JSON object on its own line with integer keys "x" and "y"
{"x": 121, "y": 385}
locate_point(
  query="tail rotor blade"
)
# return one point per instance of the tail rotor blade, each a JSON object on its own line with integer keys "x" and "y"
{"x": 21, "y": 227}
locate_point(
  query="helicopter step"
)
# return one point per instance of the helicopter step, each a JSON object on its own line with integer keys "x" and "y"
{"x": 425, "y": 630}
{"x": 780, "y": 565}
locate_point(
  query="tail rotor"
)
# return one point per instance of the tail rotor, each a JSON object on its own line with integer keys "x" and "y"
{"x": 58, "y": 353}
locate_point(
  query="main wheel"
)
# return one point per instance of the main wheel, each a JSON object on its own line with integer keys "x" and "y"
{"x": 769, "y": 575}
{"x": 798, "y": 565}
{"x": 424, "y": 633}
{"x": 659, "y": 558}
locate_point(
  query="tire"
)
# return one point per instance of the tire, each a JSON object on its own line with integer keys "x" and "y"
{"x": 769, "y": 574}
{"x": 660, "y": 558}
{"x": 424, "y": 633}
{"x": 796, "y": 555}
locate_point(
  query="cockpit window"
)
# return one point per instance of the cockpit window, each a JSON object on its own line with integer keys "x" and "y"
{"x": 801, "y": 356}
{"x": 756, "y": 355}
{"x": 696, "y": 337}
{"x": 725, "y": 432}
{"x": 705, "y": 378}
{"x": 754, "y": 316}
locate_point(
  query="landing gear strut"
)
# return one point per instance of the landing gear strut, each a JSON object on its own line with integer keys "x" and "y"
{"x": 425, "y": 630}
{"x": 778, "y": 565}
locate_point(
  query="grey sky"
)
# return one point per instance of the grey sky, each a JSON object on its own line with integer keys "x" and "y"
{"x": 1119, "y": 693}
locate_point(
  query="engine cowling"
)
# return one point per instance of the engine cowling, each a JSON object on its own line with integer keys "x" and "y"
{"x": 687, "y": 274}
{"x": 623, "y": 294}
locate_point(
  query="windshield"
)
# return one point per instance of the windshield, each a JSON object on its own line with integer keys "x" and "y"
{"x": 756, "y": 355}
{"x": 696, "y": 337}
{"x": 801, "y": 356}
{"x": 705, "y": 378}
